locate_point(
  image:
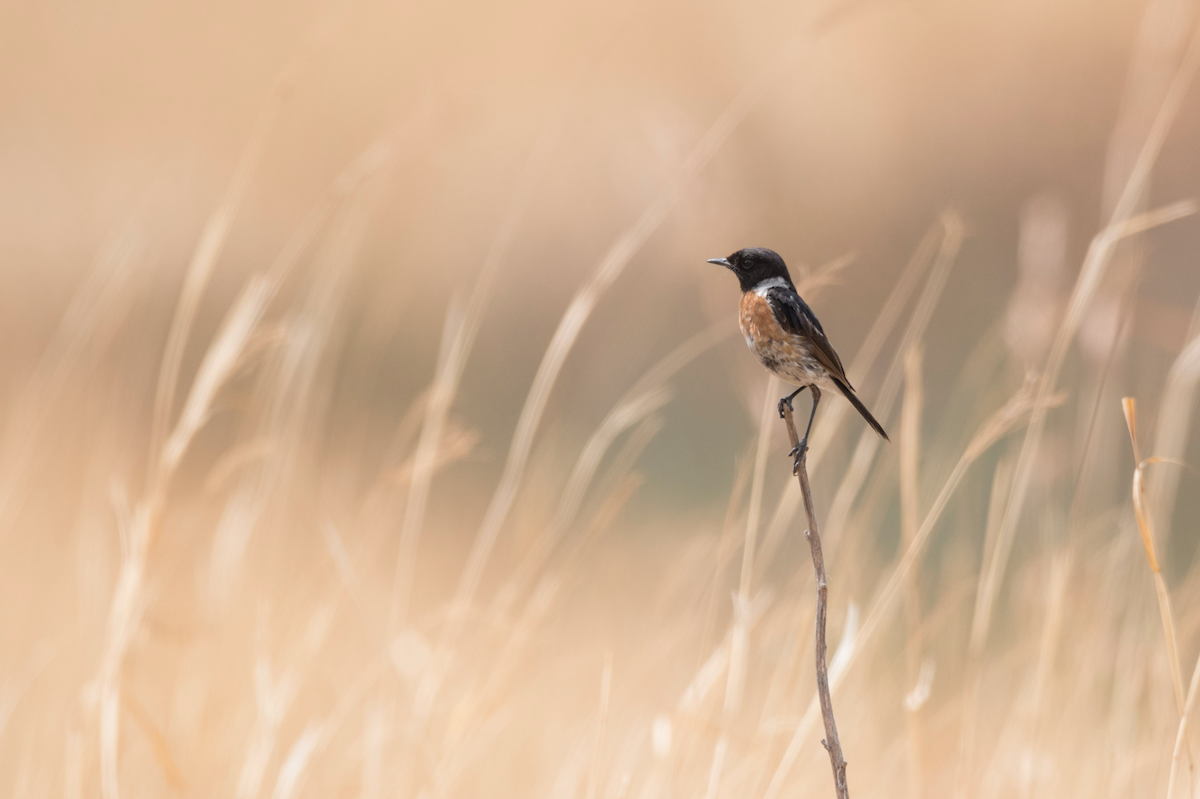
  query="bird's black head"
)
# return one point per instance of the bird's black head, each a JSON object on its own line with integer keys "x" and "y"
{"x": 753, "y": 265}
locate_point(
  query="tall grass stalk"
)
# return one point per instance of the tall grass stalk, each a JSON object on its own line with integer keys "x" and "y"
{"x": 1173, "y": 429}
{"x": 229, "y": 627}
{"x": 739, "y": 642}
{"x": 643, "y": 398}
{"x": 992, "y": 430}
{"x": 1095, "y": 264}
{"x": 461, "y": 339}
{"x": 910, "y": 510}
{"x": 833, "y": 416}
{"x": 605, "y": 697}
{"x": 577, "y": 313}
{"x": 1123, "y": 223}
{"x": 1146, "y": 529}
{"x": 1181, "y": 734}
{"x": 1061, "y": 563}
{"x": 204, "y": 259}
{"x": 342, "y": 208}
{"x": 140, "y": 529}
{"x": 90, "y": 319}
{"x": 868, "y": 445}
{"x": 482, "y": 712}
{"x": 831, "y": 741}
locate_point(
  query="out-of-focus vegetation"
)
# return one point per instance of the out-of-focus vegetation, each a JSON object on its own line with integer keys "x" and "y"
{"x": 374, "y": 426}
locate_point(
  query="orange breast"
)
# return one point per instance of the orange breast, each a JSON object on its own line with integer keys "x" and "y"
{"x": 758, "y": 321}
{"x": 785, "y": 354}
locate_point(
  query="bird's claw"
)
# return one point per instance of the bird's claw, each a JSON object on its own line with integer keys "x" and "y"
{"x": 798, "y": 452}
{"x": 786, "y": 402}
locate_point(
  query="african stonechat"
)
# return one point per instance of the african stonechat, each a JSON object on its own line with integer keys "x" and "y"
{"x": 784, "y": 333}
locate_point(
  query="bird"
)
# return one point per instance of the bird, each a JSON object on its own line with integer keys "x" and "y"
{"x": 784, "y": 333}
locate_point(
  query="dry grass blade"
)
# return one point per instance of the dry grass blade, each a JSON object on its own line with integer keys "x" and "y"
{"x": 219, "y": 362}
{"x": 619, "y": 485}
{"x": 1093, "y": 269}
{"x": 273, "y": 698}
{"x": 90, "y": 319}
{"x": 1174, "y": 421}
{"x": 286, "y": 392}
{"x": 999, "y": 545}
{"x": 141, "y": 527}
{"x": 737, "y": 663}
{"x": 296, "y": 761}
{"x": 563, "y": 341}
{"x": 1129, "y": 408}
{"x": 461, "y": 338}
{"x": 158, "y": 743}
{"x": 715, "y": 664}
{"x": 625, "y": 415}
{"x": 522, "y": 633}
{"x": 708, "y": 671}
{"x": 345, "y": 570}
{"x": 605, "y": 694}
{"x": 205, "y": 258}
{"x": 1181, "y": 735}
{"x": 299, "y": 422}
{"x": 869, "y": 442}
{"x": 739, "y": 642}
{"x": 1146, "y": 530}
{"x": 717, "y": 767}
{"x": 910, "y": 465}
{"x": 13, "y": 689}
{"x": 456, "y": 444}
{"x": 577, "y": 313}
{"x": 1060, "y": 574}
{"x": 1122, "y": 223}
{"x": 642, "y": 399}
{"x": 881, "y": 330}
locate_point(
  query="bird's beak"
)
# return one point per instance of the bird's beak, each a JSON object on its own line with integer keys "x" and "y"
{"x": 721, "y": 261}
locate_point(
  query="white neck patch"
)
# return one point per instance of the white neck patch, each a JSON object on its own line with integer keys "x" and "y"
{"x": 772, "y": 282}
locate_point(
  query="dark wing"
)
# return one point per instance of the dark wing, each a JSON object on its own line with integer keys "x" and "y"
{"x": 795, "y": 317}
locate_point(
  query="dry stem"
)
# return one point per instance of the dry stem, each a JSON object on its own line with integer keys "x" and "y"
{"x": 831, "y": 742}
{"x": 1142, "y": 514}
{"x": 910, "y": 463}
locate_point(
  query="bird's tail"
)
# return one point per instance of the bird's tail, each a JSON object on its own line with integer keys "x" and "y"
{"x": 849, "y": 394}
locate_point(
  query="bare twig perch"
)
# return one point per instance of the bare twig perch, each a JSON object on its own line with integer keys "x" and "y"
{"x": 831, "y": 742}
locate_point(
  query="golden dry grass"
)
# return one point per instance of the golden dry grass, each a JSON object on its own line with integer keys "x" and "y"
{"x": 436, "y": 469}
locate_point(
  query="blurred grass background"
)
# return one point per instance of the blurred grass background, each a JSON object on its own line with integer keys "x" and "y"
{"x": 374, "y": 426}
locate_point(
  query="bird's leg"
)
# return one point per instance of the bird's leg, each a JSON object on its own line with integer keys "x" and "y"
{"x": 786, "y": 402}
{"x": 801, "y": 448}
